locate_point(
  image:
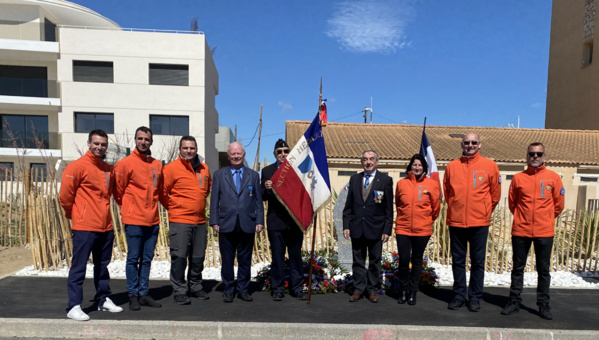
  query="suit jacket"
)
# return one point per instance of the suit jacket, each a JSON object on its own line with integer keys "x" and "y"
{"x": 226, "y": 205}
{"x": 372, "y": 217}
{"x": 277, "y": 216}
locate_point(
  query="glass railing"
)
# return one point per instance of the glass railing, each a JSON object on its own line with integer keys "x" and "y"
{"x": 28, "y": 87}
{"x": 20, "y": 139}
{"x": 37, "y": 31}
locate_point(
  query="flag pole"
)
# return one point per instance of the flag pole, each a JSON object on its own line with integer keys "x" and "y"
{"x": 424, "y": 127}
{"x": 315, "y": 216}
{"x": 312, "y": 258}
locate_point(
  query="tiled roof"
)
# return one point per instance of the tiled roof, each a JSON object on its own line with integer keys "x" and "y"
{"x": 400, "y": 142}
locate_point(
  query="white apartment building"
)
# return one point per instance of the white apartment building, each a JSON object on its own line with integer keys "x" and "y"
{"x": 66, "y": 70}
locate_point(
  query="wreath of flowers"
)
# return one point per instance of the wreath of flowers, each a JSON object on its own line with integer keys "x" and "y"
{"x": 328, "y": 276}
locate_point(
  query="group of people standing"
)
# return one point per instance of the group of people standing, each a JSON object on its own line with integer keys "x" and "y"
{"x": 472, "y": 190}
{"x": 139, "y": 183}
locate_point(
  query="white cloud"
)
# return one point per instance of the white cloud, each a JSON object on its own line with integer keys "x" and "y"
{"x": 285, "y": 106}
{"x": 370, "y": 25}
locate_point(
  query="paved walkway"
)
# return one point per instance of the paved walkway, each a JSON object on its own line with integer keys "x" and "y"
{"x": 34, "y": 308}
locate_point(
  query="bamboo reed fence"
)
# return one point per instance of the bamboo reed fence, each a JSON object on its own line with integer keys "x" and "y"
{"x": 31, "y": 214}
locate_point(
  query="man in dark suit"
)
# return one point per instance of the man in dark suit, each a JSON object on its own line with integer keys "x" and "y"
{"x": 368, "y": 219}
{"x": 236, "y": 213}
{"x": 283, "y": 233}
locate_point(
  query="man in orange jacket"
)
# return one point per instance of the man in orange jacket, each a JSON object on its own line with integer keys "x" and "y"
{"x": 85, "y": 197}
{"x": 536, "y": 198}
{"x": 472, "y": 188}
{"x": 137, "y": 184}
{"x": 187, "y": 183}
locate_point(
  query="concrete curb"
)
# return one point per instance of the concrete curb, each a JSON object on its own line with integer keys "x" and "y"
{"x": 104, "y": 329}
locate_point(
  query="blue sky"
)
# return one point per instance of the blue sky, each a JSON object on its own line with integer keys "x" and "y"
{"x": 463, "y": 62}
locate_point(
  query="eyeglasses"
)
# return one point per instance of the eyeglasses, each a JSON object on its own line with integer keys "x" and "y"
{"x": 473, "y": 142}
{"x": 538, "y": 154}
{"x": 280, "y": 151}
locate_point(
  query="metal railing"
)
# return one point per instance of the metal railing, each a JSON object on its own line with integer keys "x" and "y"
{"x": 130, "y": 29}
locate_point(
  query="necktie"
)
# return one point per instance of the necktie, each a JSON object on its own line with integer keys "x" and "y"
{"x": 237, "y": 180}
{"x": 367, "y": 180}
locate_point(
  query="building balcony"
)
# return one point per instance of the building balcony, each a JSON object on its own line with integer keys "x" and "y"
{"x": 27, "y": 93}
{"x": 28, "y": 30}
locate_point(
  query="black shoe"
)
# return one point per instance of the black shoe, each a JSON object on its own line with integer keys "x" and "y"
{"x": 276, "y": 296}
{"x": 301, "y": 296}
{"x": 147, "y": 300}
{"x": 412, "y": 297}
{"x": 245, "y": 297}
{"x": 228, "y": 298}
{"x": 402, "y": 297}
{"x": 200, "y": 294}
{"x": 474, "y": 306}
{"x": 134, "y": 302}
{"x": 545, "y": 311}
{"x": 512, "y": 307}
{"x": 456, "y": 304}
{"x": 182, "y": 299}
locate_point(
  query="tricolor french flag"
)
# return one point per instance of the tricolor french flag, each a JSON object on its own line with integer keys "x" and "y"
{"x": 427, "y": 151}
{"x": 302, "y": 182}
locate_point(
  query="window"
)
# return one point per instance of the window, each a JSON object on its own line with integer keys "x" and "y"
{"x": 588, "y": 179}
{"x": 25, "y": 81}
{"x": 169, "y": 125}
{"x": 587, "y": 53}
{"x": 21, "y": 131}
{"x": 509, "y": 177}
{"x": 39, "y": 171}
{"x": 93, "y": 71}
{"x": 6, "y": 169}
{"x": 167, "y": 74}
{"x": 88, "y": 121}
{"x": 49, "y": 30}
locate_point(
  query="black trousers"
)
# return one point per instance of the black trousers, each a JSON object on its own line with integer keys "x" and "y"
{"x": 520, "y": 248}
{"x": 366, "y": 280}
{"x": 414, "y": 245}
{"x": 290, "y": 239}
{"x": 459, "y": 239}
{"x": 187, "y": 245}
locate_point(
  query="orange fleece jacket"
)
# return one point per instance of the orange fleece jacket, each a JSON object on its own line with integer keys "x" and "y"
{"x": 472, "y": 188}
{"x": 138, "y": 182}
{"x": 417, "y": 203}
{"x": 85, "y": 193}
{"x": 536, "y": 198}
{"x": 185, "y": 190}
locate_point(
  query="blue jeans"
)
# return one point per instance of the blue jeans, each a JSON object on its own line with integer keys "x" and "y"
{"x": 459, "y": 239}
{"x": 141, "y": 242}
{"x": 99, "y": 245}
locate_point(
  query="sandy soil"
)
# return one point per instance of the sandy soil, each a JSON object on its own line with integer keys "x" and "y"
{"x": 13, "y": 259}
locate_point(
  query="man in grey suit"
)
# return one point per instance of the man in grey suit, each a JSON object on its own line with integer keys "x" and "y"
{"x": 367, "y": 219}
{"x": 236, "y": 213}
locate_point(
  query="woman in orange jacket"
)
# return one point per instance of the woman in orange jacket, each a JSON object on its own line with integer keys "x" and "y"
{"x": 417, "y": 203}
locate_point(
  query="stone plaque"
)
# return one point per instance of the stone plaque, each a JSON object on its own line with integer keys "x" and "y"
{"x": 344, "y": 246}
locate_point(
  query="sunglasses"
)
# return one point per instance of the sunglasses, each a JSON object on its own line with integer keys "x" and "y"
{"x": 280, "y": 151}
{"x": 538, "y": 154}
{"x": 473, "y": 142}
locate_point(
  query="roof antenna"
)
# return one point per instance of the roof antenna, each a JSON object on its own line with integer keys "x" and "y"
{"x": 366, "y": 109}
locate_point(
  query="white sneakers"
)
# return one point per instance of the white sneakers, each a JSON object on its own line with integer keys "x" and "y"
{"x": 109, "y": 306}
{"x": 77, "y": 314}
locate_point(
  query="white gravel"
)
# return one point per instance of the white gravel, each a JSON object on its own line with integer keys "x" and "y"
{"x": 161, "y": 270}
